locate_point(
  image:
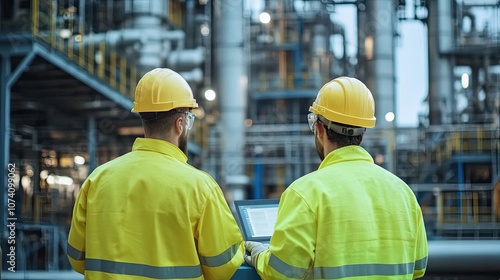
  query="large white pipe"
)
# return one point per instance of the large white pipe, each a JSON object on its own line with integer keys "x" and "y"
{"x": 144, "y": 14}
{"x": 152, "y": 45}
{"x": 114, "y": 37}
{"x": 187, "y": 58}
{"x": 440, "y": 33}
{"x": 232, "y": 83}
{"x": 378, "y": 46}
{"x": 145, "y": 17}
{"x": 379, "y": 53}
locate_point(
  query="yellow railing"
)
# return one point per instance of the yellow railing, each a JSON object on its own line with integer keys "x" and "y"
{"x": 466, "y": 207}
{"x": 476, "y": 140}
{"x": 77, "y": 44}
{"x": 472, "y": 212}
{"x": 95, "y": 57}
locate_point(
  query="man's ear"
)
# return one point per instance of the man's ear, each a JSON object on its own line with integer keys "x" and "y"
{"x": 320, "y": 129}
{"x": 179, "y": 126}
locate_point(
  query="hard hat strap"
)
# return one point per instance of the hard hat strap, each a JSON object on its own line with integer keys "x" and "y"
{"x": 340, "y": 129}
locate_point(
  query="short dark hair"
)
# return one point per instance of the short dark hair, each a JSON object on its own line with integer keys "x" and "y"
{"x": 342, "y": 140}
{"x": 159, "y": 122}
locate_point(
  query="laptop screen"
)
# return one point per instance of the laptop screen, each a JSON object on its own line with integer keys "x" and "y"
{"x": 257, "y": 218}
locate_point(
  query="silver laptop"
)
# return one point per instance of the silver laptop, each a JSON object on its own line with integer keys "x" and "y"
{"x": 256, "y": 218}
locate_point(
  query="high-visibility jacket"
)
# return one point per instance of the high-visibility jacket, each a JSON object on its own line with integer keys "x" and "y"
{"x": 350, "y": 219}
{"x": 150, "y": 215}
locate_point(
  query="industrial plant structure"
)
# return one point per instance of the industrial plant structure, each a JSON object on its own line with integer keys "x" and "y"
{"x": 69, "y": 68}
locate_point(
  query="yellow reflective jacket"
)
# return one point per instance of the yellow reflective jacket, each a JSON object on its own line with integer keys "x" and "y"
{"x": 350, "y": 219}
{"x": 150, "y": 215}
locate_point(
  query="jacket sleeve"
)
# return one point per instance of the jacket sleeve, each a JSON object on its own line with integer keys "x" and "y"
{"x": 76, "y": 237}
{"x": 292, "y": 246}
{"x": 220, "y": 244}
{"x": 421, "y": 254}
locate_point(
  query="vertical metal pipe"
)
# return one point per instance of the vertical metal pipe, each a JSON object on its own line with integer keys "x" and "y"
{"x": 377, "y": 33}
{"x": 5, "y": 137}
{"x": 81, "y": 18}
{"x": 100, "y": 66}
{"x": 92, "y": 143}
{"x": 34, "y": 17}
{"x": 297, "y": 61}
{"x": 257, "y": 180}
{"x": 440, "y": 39}
{"x": 477, "y": 113}
{"x": 112, "y": 69}
{"x": 133, "y": 81}
{"x": 232, "y": 83}
{"x": 91, "y": 57}
{"x": 189, "y": 24}
{"x": 81, "y": 30}
{"x": 123, "y": 75}
{"x": 440, "y": 207}
{"x": 379, "y": 50}
{"x": 52, "y": 23}
{"x": 461, "y": 187}
{"x": 361, "y": 22}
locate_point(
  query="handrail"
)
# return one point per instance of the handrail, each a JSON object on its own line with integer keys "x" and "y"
{"x": 476, "y": 140}
{"x": 93, "y": 58}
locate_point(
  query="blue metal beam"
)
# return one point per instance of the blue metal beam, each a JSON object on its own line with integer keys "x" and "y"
{"x": 4, "y": 138}
{"x": 75, "y": 71}
{"x": 257, "y": 179}
{"x": 16, "y": 44}
{"x": 12, "y": 78}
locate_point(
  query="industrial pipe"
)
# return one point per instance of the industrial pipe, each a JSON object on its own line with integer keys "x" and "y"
{"x": 446, "y": 258}
{"x": 459, "y": 257}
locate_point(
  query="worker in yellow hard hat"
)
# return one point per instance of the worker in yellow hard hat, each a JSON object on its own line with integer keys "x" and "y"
{"x": 350, "y": 219}
{"x": 149, "y": 214}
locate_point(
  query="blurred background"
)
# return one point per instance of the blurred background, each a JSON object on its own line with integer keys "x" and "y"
{"x": 69, "y": 70}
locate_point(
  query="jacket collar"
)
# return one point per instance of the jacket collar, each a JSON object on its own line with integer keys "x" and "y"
{"x": 159, "y": 146}
{"x": 347, "y": 153}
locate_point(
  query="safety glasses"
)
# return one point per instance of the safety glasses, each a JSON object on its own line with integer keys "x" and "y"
{"x": 343, "y": 130}
{"x": 312, "y": 119}
{"x": 189, "y": 118}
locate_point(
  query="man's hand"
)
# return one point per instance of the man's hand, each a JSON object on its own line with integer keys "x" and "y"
{"x": 255, "y": 248}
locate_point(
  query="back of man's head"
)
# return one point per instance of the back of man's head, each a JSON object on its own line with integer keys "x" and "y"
{"x": 346, "y": 107}
{"x": 161, "y": 96}
{"x": 161, "y": 90}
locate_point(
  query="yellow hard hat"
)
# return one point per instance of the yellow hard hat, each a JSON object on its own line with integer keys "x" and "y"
{"x": 345, "y": 100}
{"x": 162, "y": 89}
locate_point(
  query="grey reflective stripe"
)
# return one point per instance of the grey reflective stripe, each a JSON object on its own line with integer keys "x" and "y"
{"x": 156, "y": 272}
{"x": 344, "y": 271}
{"x": 421, "y": 264}
{"x": 285, "y": 269}
{"x": 75, "y": 254}
{"x": 363, "y": 270}
{"x": 222, "y": 258}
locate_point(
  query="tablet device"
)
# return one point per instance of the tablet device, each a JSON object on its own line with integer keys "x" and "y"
{"x": 256, "y": 218}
